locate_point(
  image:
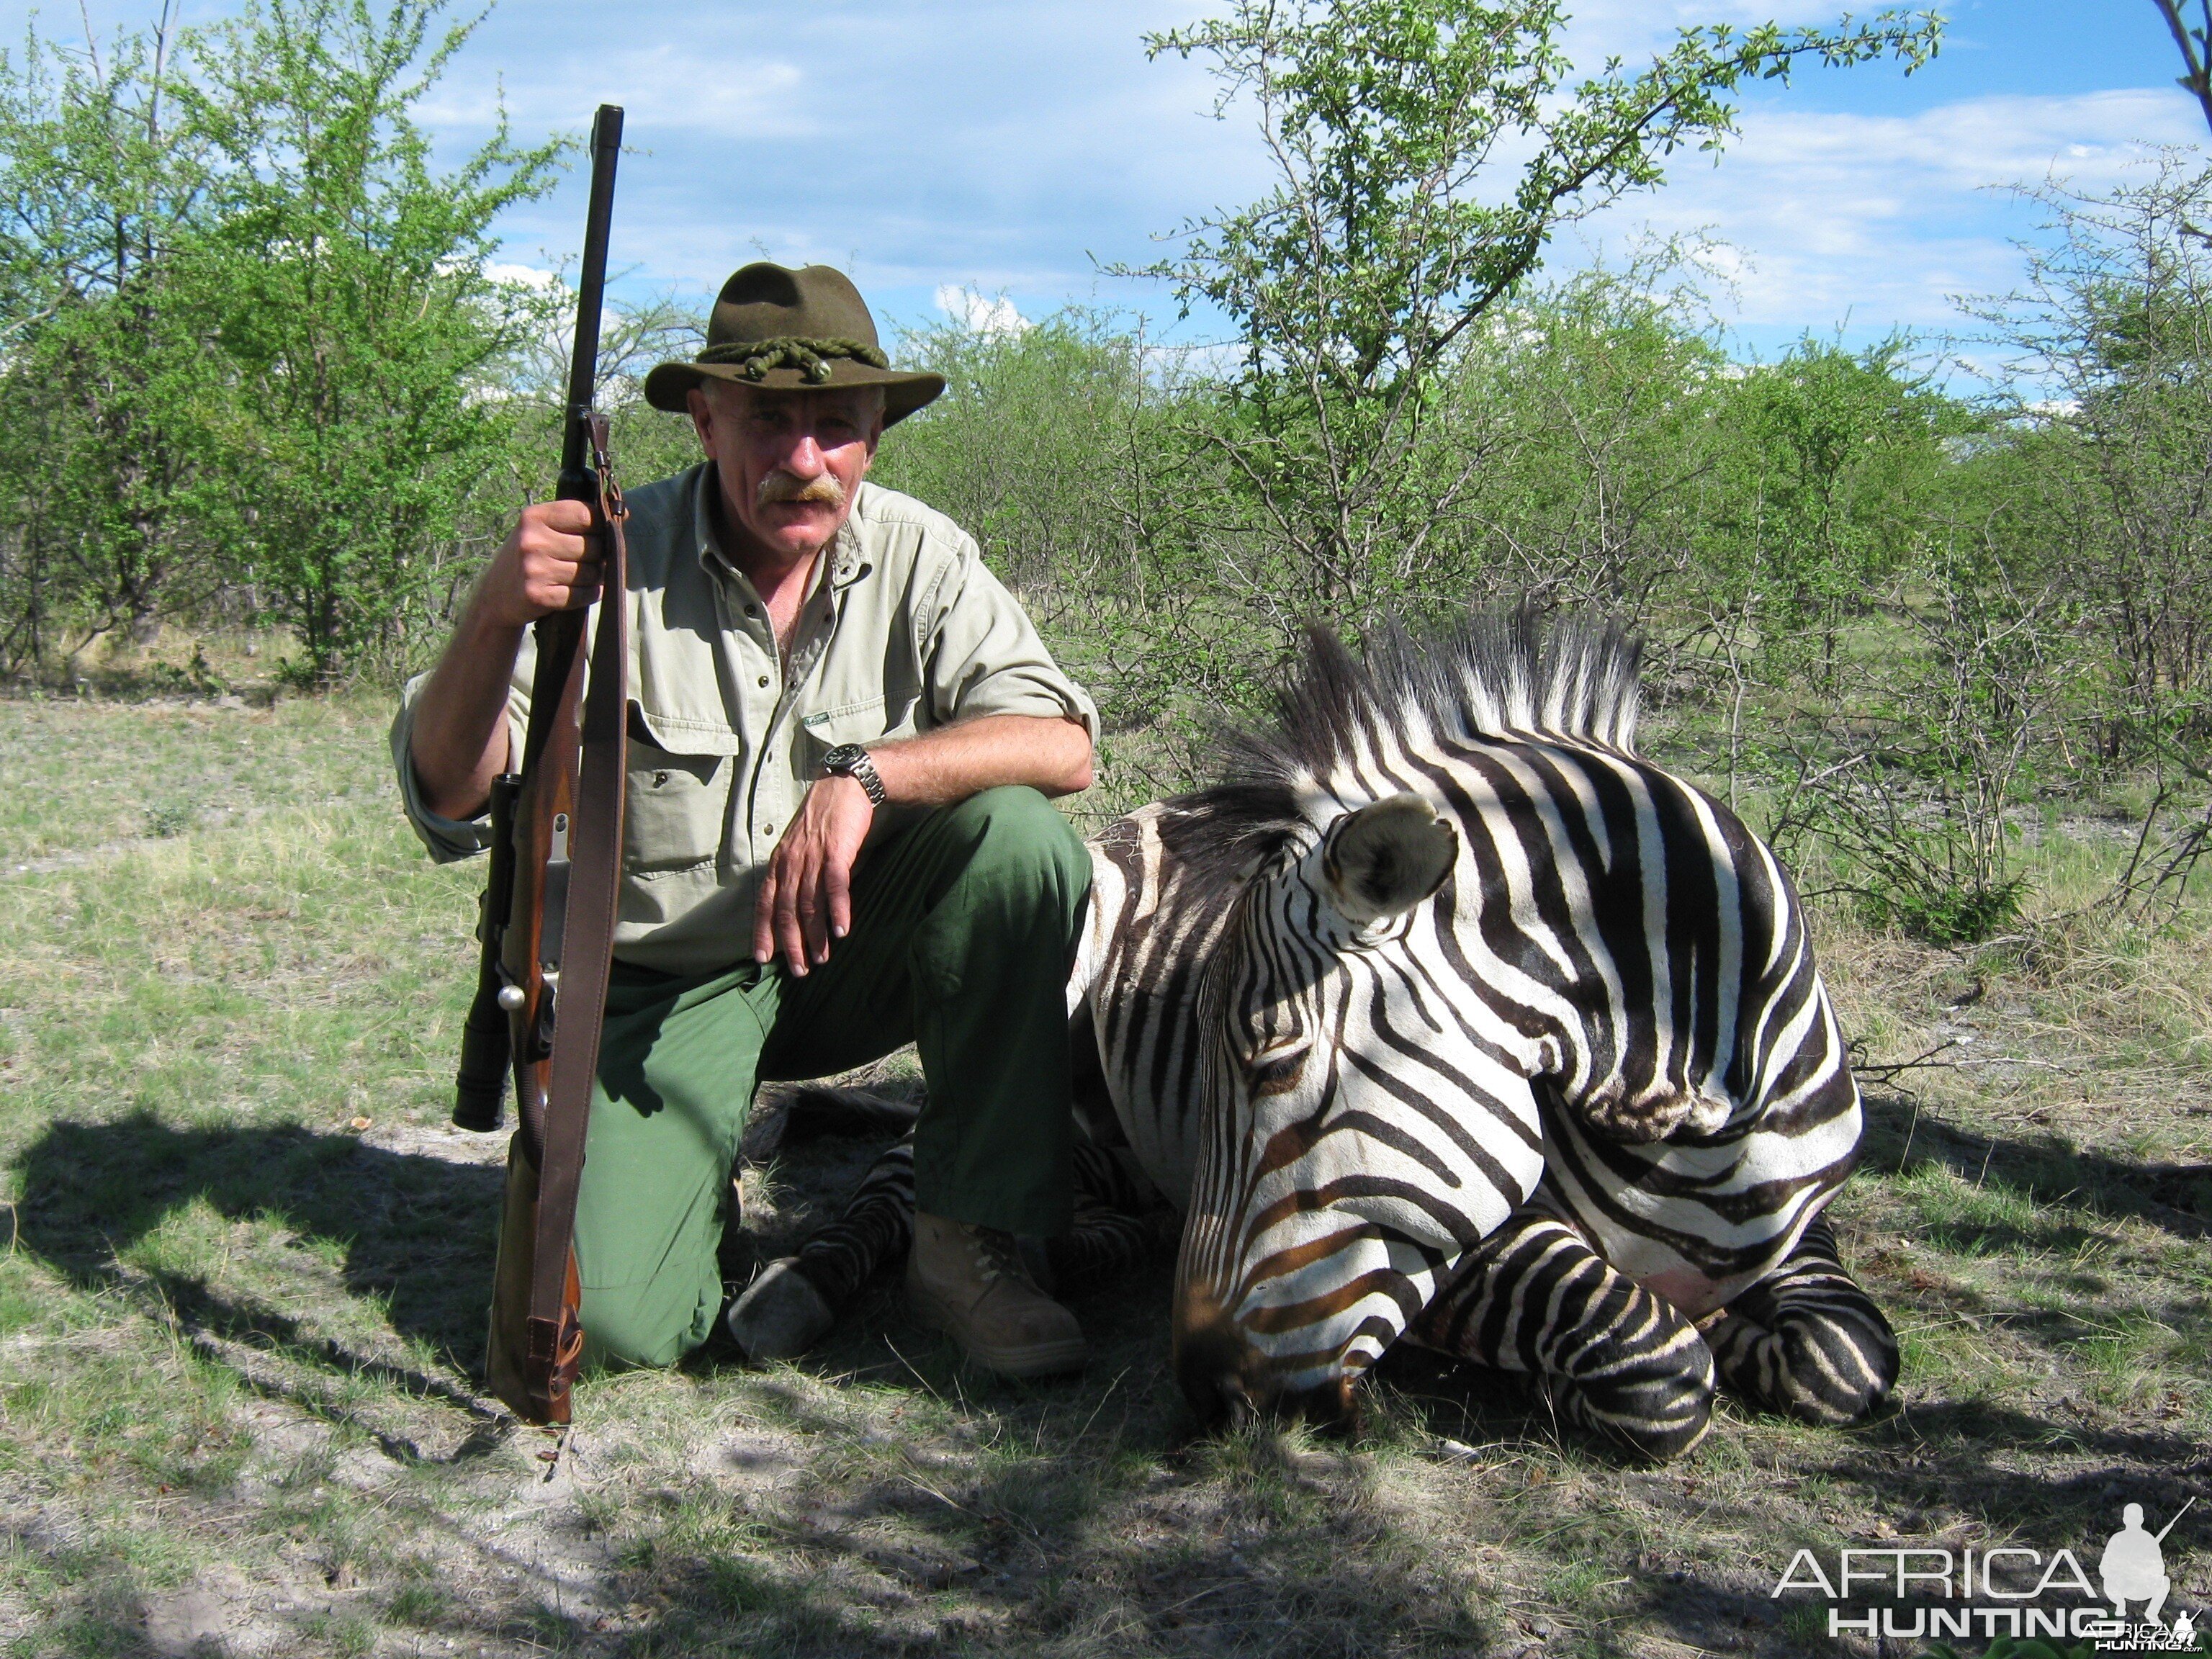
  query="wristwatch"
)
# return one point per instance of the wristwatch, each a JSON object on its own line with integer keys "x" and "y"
{"x": 849, "y": 760}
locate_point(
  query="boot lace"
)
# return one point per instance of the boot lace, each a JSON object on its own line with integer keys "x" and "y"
{"x": 996, "y": 1255}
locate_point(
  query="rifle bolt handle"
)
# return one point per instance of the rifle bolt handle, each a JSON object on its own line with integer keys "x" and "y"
{"x": 511, "y": 998}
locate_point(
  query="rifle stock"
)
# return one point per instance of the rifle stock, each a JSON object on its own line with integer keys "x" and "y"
{"x": 549, "y": 910}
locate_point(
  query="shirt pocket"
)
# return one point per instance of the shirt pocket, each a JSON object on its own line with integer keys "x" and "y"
{"x": 873, "y": 719}
{"x": 676, "y": 810}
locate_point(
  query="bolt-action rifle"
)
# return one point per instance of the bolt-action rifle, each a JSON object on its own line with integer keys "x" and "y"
{"x": 547, "y": 926}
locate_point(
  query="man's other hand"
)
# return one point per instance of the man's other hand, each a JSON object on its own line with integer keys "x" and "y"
{"x": 546, "y": 565}
{"x": 806, "y": 893}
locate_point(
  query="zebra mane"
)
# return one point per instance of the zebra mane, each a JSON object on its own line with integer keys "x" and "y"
{"x": 1341, "y": 719}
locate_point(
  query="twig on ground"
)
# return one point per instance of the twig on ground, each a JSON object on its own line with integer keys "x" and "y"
{"x": 1912, "y": 1129}
{"x": 916, "y": 1375}
{"x": 923, "y": 1485}
{"x": 1174, "y": 1607}
{"x": 1885, "y": 1071}
{"x": 1101, "y": 1406}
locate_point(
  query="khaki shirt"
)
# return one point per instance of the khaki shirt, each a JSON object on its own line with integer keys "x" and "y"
{"x": 903, "y": 630}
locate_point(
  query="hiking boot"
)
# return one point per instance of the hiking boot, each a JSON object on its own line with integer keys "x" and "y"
{"x": 968, "y": 1282}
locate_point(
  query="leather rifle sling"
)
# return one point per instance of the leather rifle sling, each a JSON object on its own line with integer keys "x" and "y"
{"x": 555, "y": 1338}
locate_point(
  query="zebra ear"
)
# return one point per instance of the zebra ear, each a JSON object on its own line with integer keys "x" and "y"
{"x": 1384, "y": 859}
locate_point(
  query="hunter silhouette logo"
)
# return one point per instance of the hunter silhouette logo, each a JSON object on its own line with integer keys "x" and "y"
{"x": 2134, "y": 1567}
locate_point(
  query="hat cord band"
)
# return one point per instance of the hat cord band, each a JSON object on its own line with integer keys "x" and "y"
{"x": 754, "y": 358}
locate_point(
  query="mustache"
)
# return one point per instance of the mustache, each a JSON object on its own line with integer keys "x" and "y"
{"x": 782, "y": 486}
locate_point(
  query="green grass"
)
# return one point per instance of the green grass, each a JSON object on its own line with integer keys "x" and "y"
{"x": 237, "y": 1335}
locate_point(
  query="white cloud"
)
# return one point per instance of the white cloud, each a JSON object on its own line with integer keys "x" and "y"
{"x": 1883, "y": 218}
{"x": 500, "y": 271}
{"x": 1979, "y": 141}
{"x": 879, "y": 139}
{"x": 979, "y": 312}
{"x": 696, "y": 89}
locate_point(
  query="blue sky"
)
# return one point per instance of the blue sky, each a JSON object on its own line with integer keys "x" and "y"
{"x": 1010, "y": 148}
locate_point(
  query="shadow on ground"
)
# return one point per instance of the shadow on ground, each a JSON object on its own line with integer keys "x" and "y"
{"x": 415, "y": 1234}
{"x": 1902, "y": 1137}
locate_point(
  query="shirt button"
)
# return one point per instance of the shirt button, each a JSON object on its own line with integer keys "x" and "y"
{"x": 752, "y": 610}
{"x": 768, "y": 829}
{"x": 763, "y": 680}
{"x": 658, "y": 779}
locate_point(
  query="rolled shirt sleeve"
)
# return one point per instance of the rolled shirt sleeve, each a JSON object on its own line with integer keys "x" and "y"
{"x": 449, "y": 839}
{"x": 982, "y": 654}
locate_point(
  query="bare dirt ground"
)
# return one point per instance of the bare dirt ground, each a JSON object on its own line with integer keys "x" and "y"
{"x": 237, "y": 1412}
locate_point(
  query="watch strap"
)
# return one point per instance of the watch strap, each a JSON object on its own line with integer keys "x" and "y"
{"x": 850, "y": 760}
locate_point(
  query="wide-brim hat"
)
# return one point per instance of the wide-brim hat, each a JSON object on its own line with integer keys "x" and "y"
{"x": 792, "y": 331}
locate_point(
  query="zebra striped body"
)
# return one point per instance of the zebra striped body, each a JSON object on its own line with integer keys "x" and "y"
{"x": 1609, "y": 993}
{"x": 1447, "y": 1011}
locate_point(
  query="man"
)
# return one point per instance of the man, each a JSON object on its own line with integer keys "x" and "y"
{"x": 837, "y": 838}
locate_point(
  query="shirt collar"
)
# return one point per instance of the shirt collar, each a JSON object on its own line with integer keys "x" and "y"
{"x": 849, "y": 559}
{"x": 705, "y": 488}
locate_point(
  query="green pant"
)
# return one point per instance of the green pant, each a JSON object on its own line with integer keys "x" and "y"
{"x": 964, "y": 925}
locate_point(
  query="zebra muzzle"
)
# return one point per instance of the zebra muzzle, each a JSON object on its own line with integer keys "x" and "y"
{"x": 1211, "y": 1362}
{"x": 1230, "y": 1384}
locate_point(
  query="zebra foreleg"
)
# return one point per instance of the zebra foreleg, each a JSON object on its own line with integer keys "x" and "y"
{"x": 797, "y": 1298}
{"x": 1612, "y": 1359}
{"x": 1807, "y": 1341}
{"x": 1119, "y": 1224}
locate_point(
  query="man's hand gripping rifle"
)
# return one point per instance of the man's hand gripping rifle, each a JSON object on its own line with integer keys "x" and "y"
{"x": 549, "y": 905}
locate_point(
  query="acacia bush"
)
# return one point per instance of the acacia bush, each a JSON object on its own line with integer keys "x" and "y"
{"x": 1859, "y": 621}
{"x": 251, "y": 326}
{"x": 2111, "y": 434}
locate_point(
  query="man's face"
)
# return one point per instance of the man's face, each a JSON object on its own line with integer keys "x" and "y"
{"x": 789, "y": 461}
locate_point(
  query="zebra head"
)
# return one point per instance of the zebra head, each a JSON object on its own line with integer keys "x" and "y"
{"x": 1315, "y": 1230}
{"x": 1368, "y": 1114}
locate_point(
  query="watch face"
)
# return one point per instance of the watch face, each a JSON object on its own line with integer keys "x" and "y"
{"x": 851, "y": 760}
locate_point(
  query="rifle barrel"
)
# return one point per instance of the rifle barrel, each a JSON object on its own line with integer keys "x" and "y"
{"x": 2176, "y": 1521}
{"x": 576, "y": 483}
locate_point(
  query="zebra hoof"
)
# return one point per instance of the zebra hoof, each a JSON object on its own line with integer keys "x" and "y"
{"x": 780, "y": 1316}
